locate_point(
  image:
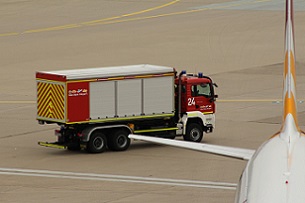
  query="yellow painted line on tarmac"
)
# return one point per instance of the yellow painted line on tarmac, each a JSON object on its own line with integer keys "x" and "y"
{"x": 64, "y": 27}
{"x": 255, "y": 100}
{"x": 129, "y": 14}
{"x": 149, "y": 17}
{"x": 261, "y": 1}
{"x": 115, "y": 19}
{"x": 169, "y": 14}
{"x": 9, "y": 34}
{"x": 71, "y": 26}
{"x": 249, "y": 100}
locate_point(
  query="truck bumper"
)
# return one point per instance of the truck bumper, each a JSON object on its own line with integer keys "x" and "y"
{"x": 52, "y": 145}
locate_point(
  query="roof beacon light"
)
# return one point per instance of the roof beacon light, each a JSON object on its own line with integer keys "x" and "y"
{"x": 200, "y": 75}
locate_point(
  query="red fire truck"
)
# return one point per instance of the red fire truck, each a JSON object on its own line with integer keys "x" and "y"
{"x": 97, "y": 108}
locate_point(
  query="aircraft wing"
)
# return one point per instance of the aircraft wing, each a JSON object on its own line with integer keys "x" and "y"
{"x": 233, "y": 152}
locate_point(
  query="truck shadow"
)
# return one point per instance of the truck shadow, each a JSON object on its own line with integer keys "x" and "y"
{"x": 133, "y": 147}
{"x": 144, "y": 145}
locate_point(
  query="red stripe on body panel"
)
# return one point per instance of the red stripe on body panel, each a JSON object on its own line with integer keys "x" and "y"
{"x": 48, "y": 76}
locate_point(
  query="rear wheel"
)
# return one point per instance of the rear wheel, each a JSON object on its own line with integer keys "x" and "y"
{"x": 97, "y": 143}
{"x": 194, "y": 133}
{"x": 119, "y": 141}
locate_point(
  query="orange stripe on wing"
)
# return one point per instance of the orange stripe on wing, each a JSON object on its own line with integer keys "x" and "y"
{"x": 292, "y": 65}
{"x": 290, "y": 107}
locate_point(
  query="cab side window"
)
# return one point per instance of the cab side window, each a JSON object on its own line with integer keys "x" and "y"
{"x": 203, "y": 89}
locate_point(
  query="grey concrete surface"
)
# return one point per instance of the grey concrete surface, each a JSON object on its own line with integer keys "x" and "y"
{"x": 241, "y": 49}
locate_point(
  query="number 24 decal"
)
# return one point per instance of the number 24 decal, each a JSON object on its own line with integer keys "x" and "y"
{"x": 191, "y": 101}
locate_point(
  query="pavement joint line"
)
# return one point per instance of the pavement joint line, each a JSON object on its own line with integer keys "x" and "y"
{"x": 117, "y": 178}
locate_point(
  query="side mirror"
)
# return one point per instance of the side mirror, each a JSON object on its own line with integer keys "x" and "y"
{"x": 214, "y": 98}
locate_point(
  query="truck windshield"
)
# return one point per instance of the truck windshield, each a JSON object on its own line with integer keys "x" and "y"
{"x": 203, "y": 89}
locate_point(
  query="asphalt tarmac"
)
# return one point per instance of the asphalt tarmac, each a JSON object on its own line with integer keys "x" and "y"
{"x": 240, "y": 44}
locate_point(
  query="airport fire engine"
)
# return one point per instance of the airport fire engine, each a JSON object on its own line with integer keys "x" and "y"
{"x": 97, "y": 108}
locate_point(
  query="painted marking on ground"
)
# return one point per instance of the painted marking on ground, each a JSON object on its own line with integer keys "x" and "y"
{"x": 118, "y": 19}
{"x": 248, "y": 100}
{"x": 150, "y": 17}
{"x": 130, "y": 14}
{"x": 114, "y": 20}
{"x": 277, "y": 101}
{"x": 117, "y": 178}
{"x": 9, "y": 34}
{"x": 89, "y": 23}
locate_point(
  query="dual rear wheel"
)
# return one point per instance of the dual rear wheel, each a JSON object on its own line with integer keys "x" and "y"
{"x": 118, "y": 141}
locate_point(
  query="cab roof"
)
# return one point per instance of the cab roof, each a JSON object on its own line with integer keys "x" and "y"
{"x": 195, "y": 79}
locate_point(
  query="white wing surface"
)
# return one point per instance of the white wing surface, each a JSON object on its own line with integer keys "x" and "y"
{"x": 233, "y": 152}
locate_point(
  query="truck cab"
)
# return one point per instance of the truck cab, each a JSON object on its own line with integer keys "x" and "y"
{"x": 197, "y": 93}
{"x": 195, "y": 105}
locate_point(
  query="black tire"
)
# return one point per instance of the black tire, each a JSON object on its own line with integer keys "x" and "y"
{"x": 194, "y": 133}
{"x": 119, "y": 141}
{"x": 97, "y": 143}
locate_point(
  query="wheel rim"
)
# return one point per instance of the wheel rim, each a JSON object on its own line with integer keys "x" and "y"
{"x": 122, "y": 141}
{"x": 98, "y": 143}
{"x": 195, "y": 134}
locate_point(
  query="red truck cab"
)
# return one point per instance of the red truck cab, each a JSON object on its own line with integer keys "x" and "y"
{"x": 197, "y": 93}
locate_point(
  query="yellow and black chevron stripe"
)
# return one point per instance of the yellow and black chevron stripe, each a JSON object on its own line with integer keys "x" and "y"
{"x": 51, "y": 101}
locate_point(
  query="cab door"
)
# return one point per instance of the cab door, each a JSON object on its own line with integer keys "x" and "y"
{"x": 200, "y": 98}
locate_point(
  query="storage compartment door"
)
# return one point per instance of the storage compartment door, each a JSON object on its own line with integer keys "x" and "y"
{"x": 102, "y": 100}
{"x": 158, "y": 95}
{"x": 129, "y": 97}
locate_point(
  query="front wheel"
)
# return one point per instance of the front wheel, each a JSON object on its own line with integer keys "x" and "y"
{"x": 194, "y": 133}
{"x": 97, "y": 143}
